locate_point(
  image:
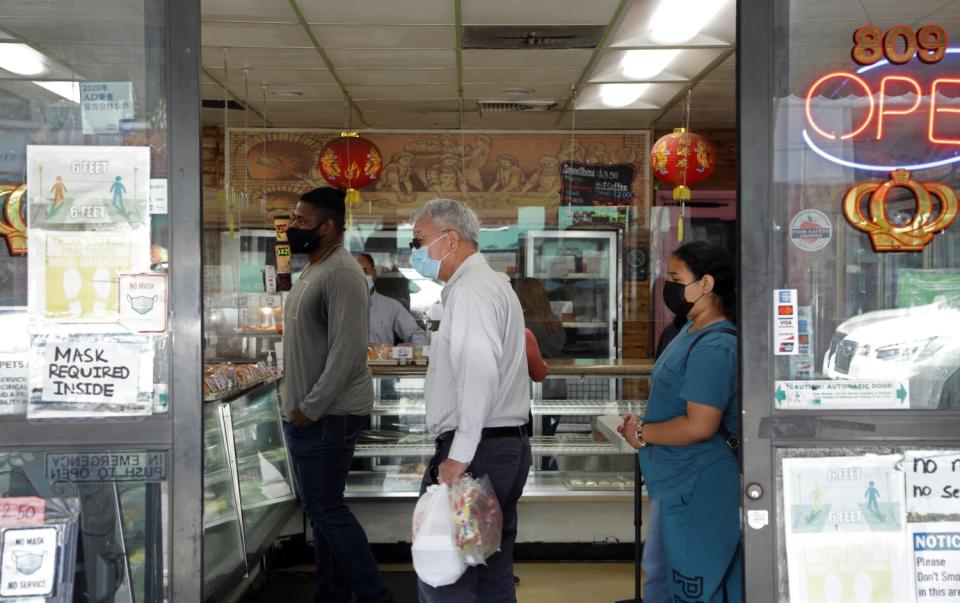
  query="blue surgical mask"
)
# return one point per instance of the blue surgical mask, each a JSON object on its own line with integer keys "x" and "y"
{"x": 369, "y": 282}
{"x": 424, "y": 264}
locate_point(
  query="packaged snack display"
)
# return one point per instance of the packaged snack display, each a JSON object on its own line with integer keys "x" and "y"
{"x": 220, "y": 380}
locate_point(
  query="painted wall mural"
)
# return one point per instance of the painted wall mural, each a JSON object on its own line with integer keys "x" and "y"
{"x": 492, "y": 172}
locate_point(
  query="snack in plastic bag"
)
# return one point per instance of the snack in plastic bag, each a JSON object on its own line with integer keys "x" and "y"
{"x": 436, "y": 558}
{"x": 478, "y": 519}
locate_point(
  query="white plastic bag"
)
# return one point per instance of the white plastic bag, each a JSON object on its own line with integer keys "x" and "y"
{"x": 436, "y": 558}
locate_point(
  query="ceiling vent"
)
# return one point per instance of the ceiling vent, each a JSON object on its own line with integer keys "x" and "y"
{"x": 503, "y": 106}
{"x": 518, "y": 37}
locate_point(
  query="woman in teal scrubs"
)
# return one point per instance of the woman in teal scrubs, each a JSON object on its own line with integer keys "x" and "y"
{"x": 687, "y": 438}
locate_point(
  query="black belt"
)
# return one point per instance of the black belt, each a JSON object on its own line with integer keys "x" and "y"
{"x": 516, "y": 431}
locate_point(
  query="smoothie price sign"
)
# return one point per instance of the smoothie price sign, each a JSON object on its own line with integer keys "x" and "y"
{"x": 910, "y": 127}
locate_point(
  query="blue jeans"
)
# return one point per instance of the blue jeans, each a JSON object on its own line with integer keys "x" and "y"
{"x": 506, "y": 461}
{"x": 654, "y": 564}
{"x": 322, "y": 453}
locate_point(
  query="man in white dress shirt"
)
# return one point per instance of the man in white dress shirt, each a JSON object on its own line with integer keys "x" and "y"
{"x": 477, "y": 388}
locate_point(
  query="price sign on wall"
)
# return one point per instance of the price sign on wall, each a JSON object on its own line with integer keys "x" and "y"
{"x": 22, "y": 511}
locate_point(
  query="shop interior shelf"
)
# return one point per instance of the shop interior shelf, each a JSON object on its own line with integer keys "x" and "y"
{"x": 412, "y": 406}
{"x": 540, "y": 484}
{"x": 566, "y": 444}
{"x": 572, "y": 276}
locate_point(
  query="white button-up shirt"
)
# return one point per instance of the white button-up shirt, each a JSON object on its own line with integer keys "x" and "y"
{"x": 478, "y": 364}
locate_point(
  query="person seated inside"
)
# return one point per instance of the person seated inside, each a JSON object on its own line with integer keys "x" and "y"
{"x": 390, "y": 322}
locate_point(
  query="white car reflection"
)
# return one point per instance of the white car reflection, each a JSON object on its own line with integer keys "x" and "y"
{"x": 921, "y": 344}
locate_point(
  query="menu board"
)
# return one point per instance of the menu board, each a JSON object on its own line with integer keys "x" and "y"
{"x": 597, "y": 185}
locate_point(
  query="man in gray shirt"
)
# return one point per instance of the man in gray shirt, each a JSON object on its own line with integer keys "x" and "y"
{"x": 329, "y": 393}
{"x": 389, "y": 320}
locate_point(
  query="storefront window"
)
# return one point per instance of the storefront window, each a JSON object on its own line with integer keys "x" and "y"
{"x": 84, "y": 241}
{"x": 865, "y": 178}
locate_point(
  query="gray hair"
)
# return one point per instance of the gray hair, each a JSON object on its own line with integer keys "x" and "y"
{"x": 453, "y": 215}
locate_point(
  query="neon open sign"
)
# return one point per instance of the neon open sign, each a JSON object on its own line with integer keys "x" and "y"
{"x": 839, "y": 122}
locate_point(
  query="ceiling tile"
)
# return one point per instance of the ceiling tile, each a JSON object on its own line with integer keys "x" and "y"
{"x": 412, "y": 120}
{"x": 522, "y": 77}
{"x": 436, "y": 91}
{"x": 538, "y": 12}
{"x": 288, "y": 78}
{"x": 540, "y": 91}
{"x": 386, "y": 77}
{"x": 264, "y": 58}
{"x": 529, "y": 59}
{"x": 257, "y": 11}
{"x": 405, "y": 12}
{"x": 383, "y": 36}
{"x": 410, "y": 105}
{"x": 254, "y": 35}
{"x": 392, "y": 59}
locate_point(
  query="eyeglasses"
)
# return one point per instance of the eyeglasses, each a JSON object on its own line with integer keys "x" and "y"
{"x": 417, "y": 242}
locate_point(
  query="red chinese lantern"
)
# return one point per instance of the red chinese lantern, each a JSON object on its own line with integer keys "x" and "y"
{"x": 681, "y": 159}
{"x": 351, "y": 163}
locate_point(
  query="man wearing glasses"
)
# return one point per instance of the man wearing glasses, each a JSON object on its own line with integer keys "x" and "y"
{"x": 477, "y": 393}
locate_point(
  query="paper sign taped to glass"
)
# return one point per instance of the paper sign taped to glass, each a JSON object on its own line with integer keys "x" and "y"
{"x": 933, "y": 483}
{"x": 844, "y": 524}
{"x": 88, "y": 187}
{"x": 37, "y": 563}
{"x": 74, "y": 276}
{"x": 842, "y": 393}
{"x": 936, "y": 561}
{"x": 99, "y": 371}
{"x": 14, "y": 358}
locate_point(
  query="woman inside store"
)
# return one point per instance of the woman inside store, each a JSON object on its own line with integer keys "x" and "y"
{"x": 687, "y": 438}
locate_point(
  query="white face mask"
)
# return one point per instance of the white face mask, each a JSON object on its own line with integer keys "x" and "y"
{"x": 369, "y": 282}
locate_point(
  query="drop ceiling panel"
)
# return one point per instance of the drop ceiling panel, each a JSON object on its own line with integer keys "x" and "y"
{"x": 529, "y": 59}
{"x": 273, "y": 77}
{"x": 371, "y": 36}
{"x": 435, "y": 91}
{"x": 386, "y": 77}
{"x": 394, "y": 12}
{"x": 391, "y": 58}
{"x": 258, "y": 11}
{"x": 687, "y": 64}
{"x": 254, "y": 35}
{"x": 410, "y": 106}
{"x": 540, "y": 91}
{"x": 307, "y": 93}
{"x": 264, "y": 58}
{"x": 522, "y": 77}
{"x": 412, "y": 120}
{"x": 537, "y": 12}
{"x": 818, "y": 10}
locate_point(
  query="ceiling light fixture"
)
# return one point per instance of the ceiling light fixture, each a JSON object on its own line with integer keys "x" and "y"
{"x": 646, "y": 64}
{"x": 22, "y": 59}
{"x": 679, "y": 21}
{"x": 517, "y": 91}
{"x": 67, "y": 89}
{"x": 621, "y": 95}
{"x": 288, "y": 93}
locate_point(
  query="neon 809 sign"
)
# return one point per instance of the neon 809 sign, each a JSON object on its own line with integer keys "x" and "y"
{"x": 895, "y": 114}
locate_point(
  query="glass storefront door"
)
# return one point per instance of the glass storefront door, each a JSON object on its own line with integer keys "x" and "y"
{"x": 850, "y": 272}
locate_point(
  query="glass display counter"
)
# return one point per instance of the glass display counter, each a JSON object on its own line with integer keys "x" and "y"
{"x": 572, "y": 456}
{"x": 248, "y": 484}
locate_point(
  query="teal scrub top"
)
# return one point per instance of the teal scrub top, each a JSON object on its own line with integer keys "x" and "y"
{"x": 711, "y": 379}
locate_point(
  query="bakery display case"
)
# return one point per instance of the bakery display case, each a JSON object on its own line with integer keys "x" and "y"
{"x": 248, "y": 483}
{"x": 573, "y": 456}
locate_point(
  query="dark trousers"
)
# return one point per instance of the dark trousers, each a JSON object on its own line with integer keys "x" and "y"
{"x": 506, "y": 461}
{"x": 322, "y": 453}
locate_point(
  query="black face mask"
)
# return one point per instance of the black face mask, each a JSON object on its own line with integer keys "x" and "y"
{"x": 304, "y": 241}
{"x": 674, "y": 299}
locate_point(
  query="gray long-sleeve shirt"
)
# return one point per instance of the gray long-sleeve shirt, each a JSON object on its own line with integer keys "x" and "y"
{"x": 326, "y": 320}
{"x": 389, "y": 319}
